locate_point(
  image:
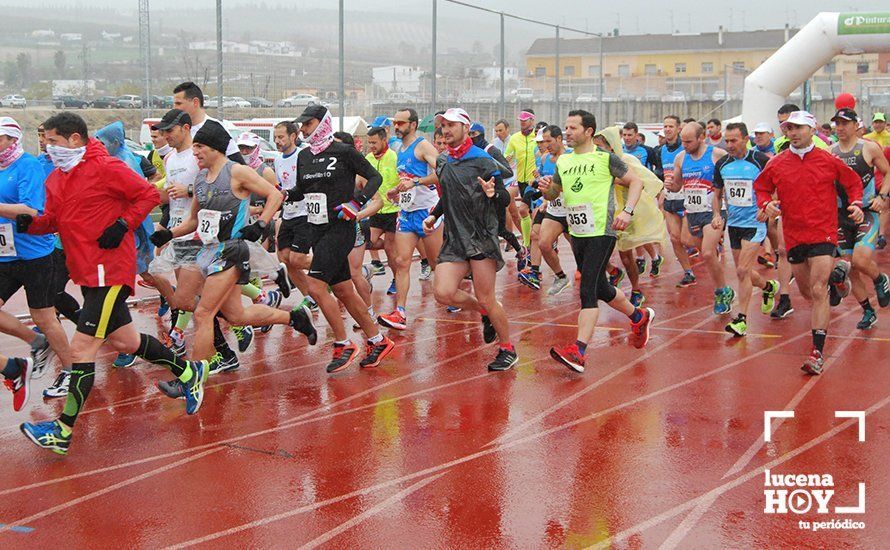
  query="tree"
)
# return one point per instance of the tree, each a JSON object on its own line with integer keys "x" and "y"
{"x": 10, "y": 74}
{"x": 23, "y": 64}
{"x": 60, "y": 62}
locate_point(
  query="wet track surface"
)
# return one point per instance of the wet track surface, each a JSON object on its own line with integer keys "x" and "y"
{"x": 648, "y": 447}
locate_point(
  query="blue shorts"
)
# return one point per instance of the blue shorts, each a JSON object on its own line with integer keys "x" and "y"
{"x": 412, "y": 222}
{"x": 751, "y": 234}
{"x": 698, "y": 220}
{"x": 674, "y": 206}
{"x": 850, "y": 235}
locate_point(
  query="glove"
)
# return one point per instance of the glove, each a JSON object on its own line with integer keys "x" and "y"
{"x": 22, "y": 222}
{"x": 113, "y": 234}
{"x": 254, "y": 231}
{"x": 161, "y": 237}
{"x": 292, "y": 195}
{"x": 348, "y": 210}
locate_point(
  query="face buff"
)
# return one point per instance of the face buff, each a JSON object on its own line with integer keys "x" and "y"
{"x": 63, "y": 158}
{"x": 460, "y": 150}
{"x": 322, "y": 136}
{"x": 254, "y": 159}
{"x": 11, "y": 154}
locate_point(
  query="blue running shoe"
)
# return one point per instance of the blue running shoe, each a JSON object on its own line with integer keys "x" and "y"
{"x": 530, "y": 279}
{"x": 124, "y": 360}
{"x": 453, "y": 309}
{"x": 392, "y": 288}
{"x": 163, "y": 308}
{"x": 720, "y": 305}
{"x": 194, "y": 388}
{"x": 47, "y": 435}
{"x": 637, "y": 298}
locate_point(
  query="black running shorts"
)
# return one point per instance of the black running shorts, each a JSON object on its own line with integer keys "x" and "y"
{"x": 294, "y": 235}
{"x": 104, "y": 310}
{"x": 385, "y": 222}
{"x": 801, "y": 252}
{"x": 35, "y": 275}
{"x": 331, "y": 244}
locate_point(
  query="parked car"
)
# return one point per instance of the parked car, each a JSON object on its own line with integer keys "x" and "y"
{"x": 676, "y": 95}
{"x": 300, "y": 100}
{"x": 69, "y": 101}
{"x": 13, "y": 100}
{"x": 104, "y": 102}
{"x": 162, "y": 102}
{"x": 129, "y": 101}
{"x": 240, "y": 102}
{"x": 699, "y": 97}
{"x": 259, "y": 102}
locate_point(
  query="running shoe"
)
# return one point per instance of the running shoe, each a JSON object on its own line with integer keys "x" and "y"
{"x": 530, "y": 279}
{"x": 344, "y": 355}
{"x": 453, "y": 309}
{"x": 301, "y": 320}
{"x": 869, "y": 319}
{"x": 783, "y": 308}
{"x": 505, "y": 360}
{"x": 194, "y": 388}
{"x": 309, "y": 304}
{"x": 637, "y": 298}
{"x": 375, "y": 353}
{"x": 377, "y": 269}
{"x": 882, "y": 289}
{"x": 769, "y": 296}
{"x": 20, "y": 386}
{"x": 687, "y": 280}
{"x": 41, "y": 357}
{"x": 728, "y": 298}
{"x": 569, "y": 356}
{"x": 172, "y": 389}
{"x": 655, "y": 270}
{"x": 283, "y": 282}
{"x": 813, "y": 364}
{"x": 692, "y": 252}
{"x": 881, "y": 243}
{"x": 163, "y": 307}
{"x": 244, "y": 335}
{"x": 394, "y": 320}
{"x": 641, "y": 265}
{"x": 616, "y": 275}
{"x": 738, "y": 327}
{"x": 426, "y": 273}
{"x": 177, "y": 341}
{"x": 223, "y": 363}
{"x": 392, "y": 288}
{"x": 522, "y": 258}
{"x": 59, "y": 387}
{"x": 559, "y": 284}
{"x": 124, "y": 360}
{"x": 766, "y": 261}
{"x": 489, "y": 334}
{"x": 47, "y": 435}
{"x": 719, "y": 306}
{"x": 839, "y": 282}
{"x": 639, "y": 332}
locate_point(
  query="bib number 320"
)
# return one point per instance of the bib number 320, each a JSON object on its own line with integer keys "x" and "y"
{"x": 317, "y": 208}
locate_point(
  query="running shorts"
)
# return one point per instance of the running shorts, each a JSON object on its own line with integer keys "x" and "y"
{"x": 851, "y": 235}
{"x": 558, "y": 219}
{"x": 412, "y": 222}
{"x": 385, "y": 222}
{"x": 104, "y": 310}
{"x": 699, "y": 220}
{"x": 232, "y": 254}
{"x": 801, "y": 252}
{"x": 35, "y": 275}
{"x": 674, "y": 206}
{"x": 331, "y": 244}
{"x": 751, "y": 234}
{"x": 294, "y": 234}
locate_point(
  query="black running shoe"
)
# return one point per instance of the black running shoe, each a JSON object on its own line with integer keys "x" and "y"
{"x": 488, "y": 332}
{"x": 641, "y": 265}
{"x": 301, "y": 321}
{"x": 783, "y": 308}
{"x": 172, "y": 389}
{"x": 882, "y": 289}
{"x": 505, "y": 360}
{"x": 282, "y": 281}
{"x": 375, "y": 353}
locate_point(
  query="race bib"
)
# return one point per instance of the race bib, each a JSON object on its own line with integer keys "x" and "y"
{"x": 739, "y": 192}
{"x": 317, "y": 208}
{"x": 557, "y": 207}
{"x": 290, "y": 210}
{"x": 668, "y": 179}
{"x": 7, "y": 240}
{"x": 580, "y": 219}
{"x": 208, "y": 225}
{"x": 697, "y": 200}
{"x": 406, "y": 198}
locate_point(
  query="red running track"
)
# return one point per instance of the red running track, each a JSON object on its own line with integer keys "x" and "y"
{"x": 662, "y": 446}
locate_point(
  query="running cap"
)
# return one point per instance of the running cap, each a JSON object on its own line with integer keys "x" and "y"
{"x": 763, "y": 127}
{"x": 540, "y": 135}
{"x": 310, "y": 112}
{"x": 477, "y": 127}
{"x": 248, "y": 139}
{"x": 9, "y": 127}
{"x": 800, "y": 118}
{"x": 213, "y": 135}
{"x": 455, "y": 114}
{"x": 173, "y": 117}
{"x": 527, "y": 114}
{"x": 380, "y": 122}
{"x": 845, "y": 114}
{"x": 660, "y": 133}
{"x": 879, "y": 117}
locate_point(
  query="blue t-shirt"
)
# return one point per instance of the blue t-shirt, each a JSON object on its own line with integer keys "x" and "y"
{"x": 47, "y": 164}
{"x": 640, "y": 152}
{"x": 546, "y": 165}
{"x": 736, "y": 177}
{"x": 22, "y": 183}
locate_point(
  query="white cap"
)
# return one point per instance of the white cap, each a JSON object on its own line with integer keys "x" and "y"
{"x": 540, "y": 135}
{"x": 801, "y": 118}
{"x": 249, "y": 139}
{"x": 455, "y": 114}
{"x": 762, "y": 127}
{"x": 661, "y": 133}
{"x": 9, "y": 127}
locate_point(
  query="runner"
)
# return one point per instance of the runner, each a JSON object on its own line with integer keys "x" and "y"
{"x": 694, "y": 175}
{"x": 734, "y": 176}
{"x": 522, "y": 149}
{"x": 586, "y": 177}
{"x": 417, "y": 194}
{"x": 857, "y": 242}
{"x": 93, "y": 200}
{"x": 188, "y": 97}
{"x": 633, "y": 144}
{"x": 715, "y": 133}
{"x": 803, "y": 178}
{"x": 673, "y": 200}
{"x": 879, "y": 132}
{"x": 764, "y": 140}
{"x": 383, "y": 224}
{"x": 472, "y": 194}
{"x": 27, "y": 260}
{"x": 326, "y": 173}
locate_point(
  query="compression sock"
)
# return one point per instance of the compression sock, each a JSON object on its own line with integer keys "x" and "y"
{"x": 526, "y": 226}
{"x": 155, "y": 352}
{"x": 251, "y": 291}
{"x": 819, "y": 339}
{"x": 82, "y": 375}
{"x": 183, "y": 320}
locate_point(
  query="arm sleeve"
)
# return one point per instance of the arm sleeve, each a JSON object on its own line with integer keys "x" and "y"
{"x": 501, "y": 161}
{"x": 656, "y": 164}
{"x": 849, "y": 179}
{"x": 764, "y": 186}
{"x": 364, "y": 169}
{"x": 140, "y": 195}
{"x": 617, "y": 167}
{"x": 148, "y": 169}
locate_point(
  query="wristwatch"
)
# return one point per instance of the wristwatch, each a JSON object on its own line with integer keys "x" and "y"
{"x": 416, "y": 181}
{"x": 191, "y": 190}
{"x": 628, "y": 210}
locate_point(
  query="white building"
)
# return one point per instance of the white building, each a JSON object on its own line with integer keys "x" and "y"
{"x": 493, "y": 74}
{"x": 398, "y": 78}
{"x": 227, "y": 47}
{"x": 71, "y": 36}
{"x": 74, "y": 87}
{"x": 43, "y": 34}
{"x": 265, "y": 47}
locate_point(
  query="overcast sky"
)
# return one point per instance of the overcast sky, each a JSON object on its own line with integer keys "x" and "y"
{"x": 635, "y": 16}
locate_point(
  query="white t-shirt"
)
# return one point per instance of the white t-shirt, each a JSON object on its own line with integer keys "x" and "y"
{"x": 182, "y": 169}
{"x": 231, "y": 148}
{"x": 286, "y": 173}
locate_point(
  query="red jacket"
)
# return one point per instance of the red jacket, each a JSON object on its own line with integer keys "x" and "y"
{"x": 82, "y": 203}
{"x": 806, "y": 190}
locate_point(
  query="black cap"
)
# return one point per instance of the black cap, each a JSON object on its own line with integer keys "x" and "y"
{"x": 213, "y": 135}
{"x": 310, "y": 112}
{"x": 846, "y": 114}
{"x": 173, "y": 117}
